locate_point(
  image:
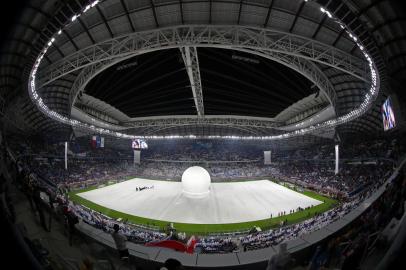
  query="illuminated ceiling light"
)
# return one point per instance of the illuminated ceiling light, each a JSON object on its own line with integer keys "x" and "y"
{"x": 74, "y": 18}
{"x": 87, "y": 8}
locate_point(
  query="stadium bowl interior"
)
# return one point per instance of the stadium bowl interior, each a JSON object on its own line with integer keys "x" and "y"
{"x": 203, "y": 134}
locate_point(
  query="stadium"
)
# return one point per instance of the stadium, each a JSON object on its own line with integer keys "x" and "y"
{"x": 203, "y": 134}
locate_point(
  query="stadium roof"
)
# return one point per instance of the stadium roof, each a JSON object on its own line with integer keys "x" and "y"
{"x": 232, "y": 82}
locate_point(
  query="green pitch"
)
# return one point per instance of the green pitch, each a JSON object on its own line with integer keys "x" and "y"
{"x": 204, "y": 229}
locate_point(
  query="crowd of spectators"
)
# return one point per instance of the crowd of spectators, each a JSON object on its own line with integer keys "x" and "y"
{"x": 356, "y": 180}
{"x": 369, "y": 150}
{"x": 106, "y": 224}
{"x": 272, "y": 237}
{"x": 201, "y": 150}
{"x": 350, "y": 249}
{"x": 217, "y": 170}
{"x": 352, "y": 177}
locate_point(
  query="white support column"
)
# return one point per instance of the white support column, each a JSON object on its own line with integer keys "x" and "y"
{"x": 267, "y": 157}
{"x": 337, "y": 158}
{"x": 137, "y": 157}
{"x": 66, "y": 155}
{"x": 191, "y": 60}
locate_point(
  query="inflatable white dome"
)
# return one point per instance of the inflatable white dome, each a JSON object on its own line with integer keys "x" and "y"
{"x": 196, "y": 182}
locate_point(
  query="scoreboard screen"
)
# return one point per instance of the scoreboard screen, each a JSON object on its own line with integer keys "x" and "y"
{"x": 139, "y": 144}
{"x": 388, "y": 115}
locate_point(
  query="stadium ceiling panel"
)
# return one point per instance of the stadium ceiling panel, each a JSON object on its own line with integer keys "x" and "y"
{"x": 378, "y": 25}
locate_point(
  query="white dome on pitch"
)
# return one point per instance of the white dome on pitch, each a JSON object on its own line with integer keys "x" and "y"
{"x": 196, "y": 182}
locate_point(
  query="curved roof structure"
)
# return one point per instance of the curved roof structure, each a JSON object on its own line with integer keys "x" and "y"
{"x": 233, "y": 83}
{"x": 238, "y": 90}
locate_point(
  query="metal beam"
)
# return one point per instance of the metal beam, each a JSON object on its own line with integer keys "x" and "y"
{"x": 239, "y": 13}
{"x": 106, "y": 23}
{"x": 181, "y": 130}
{"x": 295, "y": 52}
{"x": 305, "y": 67}
{"x": 297, "y": 16}
{"x": 213, "y": 120}
{"x": 321, "y": 23}
{"x": 86, "y": 29}
{"x": 123, "y": 4}
{"x": 283, "y": 47}
{"x": 268, "y": 15}
{"x": 70, "y": 39}
{"x": 154, "y": 13}
{"x": 92, "y": 112}
{"x": 254, "y": 40}
{"x": 181, "y": 12}
{"x": 191, "y": 60}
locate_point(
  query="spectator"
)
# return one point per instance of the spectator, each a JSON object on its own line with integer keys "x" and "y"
{"x": 172, "y": 264}
{"x": 281, "y": 260}
{"x": 86, "y": 264}
{"x": 120, "y": 241}
{"x": 38, "y": 205}
{"x": 71, "y": 219}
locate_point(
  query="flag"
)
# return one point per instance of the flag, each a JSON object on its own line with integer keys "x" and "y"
{"x": 93, "y": 143}
{"x": 190, "y": 245}
{"x": 101, "y": 141}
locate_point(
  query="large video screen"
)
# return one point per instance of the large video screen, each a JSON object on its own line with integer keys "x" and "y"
{"x": 388, "y": 115}
{"x": 139, "y": 144}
